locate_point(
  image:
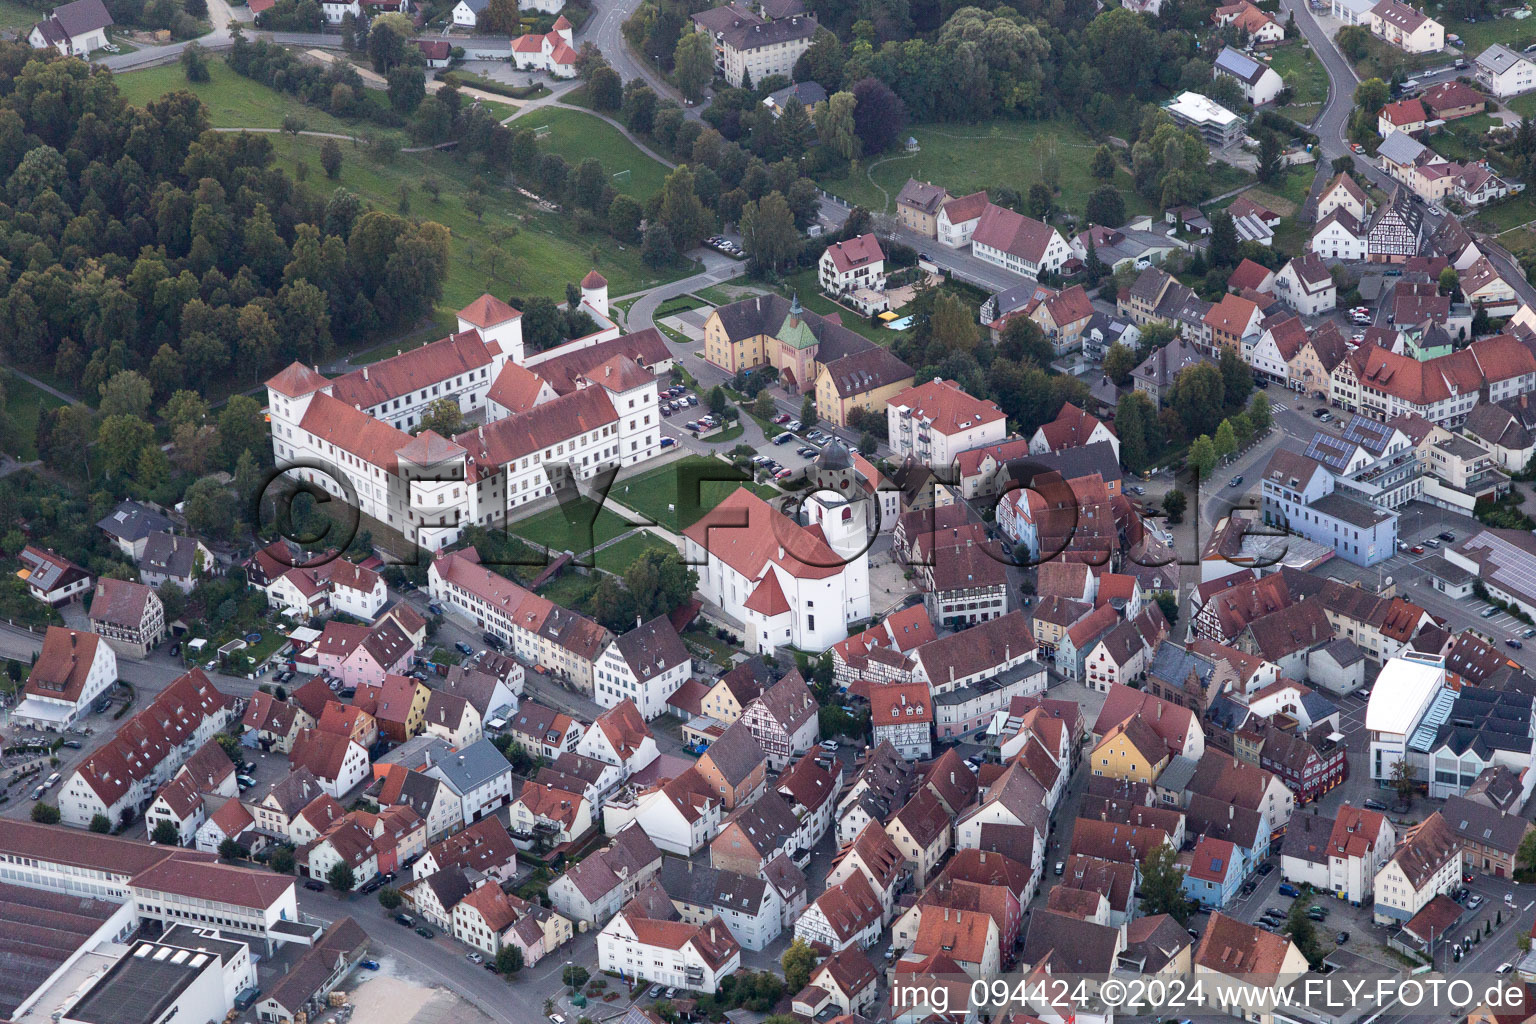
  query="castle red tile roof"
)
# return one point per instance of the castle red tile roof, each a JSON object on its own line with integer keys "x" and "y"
{"x": 746, "y": 533}
{"x": 402, "y": 374}
{"x": 488, "y": 311}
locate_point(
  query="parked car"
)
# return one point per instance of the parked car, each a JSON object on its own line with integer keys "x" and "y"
{"x": 463, "y": 648}
{"x": 668, "y": 442}
{"x": 1237, "y": 481}
{"x": 1341, "y": 938}
{"x": 1447, "y": 536}
{"x": 793, "y": 425}
{"x": 425, "y": 932}
{"x": 1474, "y": 901}
{"x": 784, "y": 474}
{"x": 1266, "y": 867}
{"x": 72, "y": 744}
{"x": 830, "y": 746}
{"x": 1287, "y": 889}
{"x": 434, "y": 608}
{"x": 368, "y": 965}
{"x": 1374, "y": 805}
{"x": 493, "y": 641}
{"x": 780, "y": 419}
{"x": 784, "y": 438}
{"x": 405, "y": 920}
{"x": 1417, "y": 549}
{"x": 314, "y": 886}
{"x": 1516, "y": 644}
{"x": 1489, "y": 612}
{"x": 474, "y": 958}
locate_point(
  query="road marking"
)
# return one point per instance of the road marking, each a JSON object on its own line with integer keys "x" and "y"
{"x": 1529, "y": 905}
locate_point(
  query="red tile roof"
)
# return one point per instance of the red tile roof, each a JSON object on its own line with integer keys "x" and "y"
{"x": 746, "y": 533}
{"x": 297, "y": 380}
{"x": 488, "y": 311}
{"x": 399, "y": 375}
{"x": 855, "y": 253}
{"x": 1408, "y": 111}
{"x": 1013, "y": 233}
{"x": 63, "y": 664}
{"x": 1248, "y": 275}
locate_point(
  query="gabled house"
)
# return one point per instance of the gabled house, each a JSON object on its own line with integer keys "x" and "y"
{"x": 619, "y": 736}
{"x": 50, "y": 577}
{"x": 784, "y": 720}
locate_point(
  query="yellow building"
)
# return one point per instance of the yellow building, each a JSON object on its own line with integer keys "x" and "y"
{"x": 1131, "y": 750}
{"x": 865, "y": 380}
{"x": 770, "y": 330}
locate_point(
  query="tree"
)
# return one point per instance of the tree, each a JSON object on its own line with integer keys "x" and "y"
{"x": 1449, "y": 281}
{"x": 659, "y": 582}
{"x": 389, "y": 41}
{"x": 718, "y": 402}
{"x": 657, "y": 249}
{"x": 102, "y": 824}
{"x": 45, "y": 814}
{"x": 407, "y": 87}
{"x": 693, "y": 64}
{"x": 1271, "y": 156}
{"x": 194, "y": 63}
{"x": 1197, "y": 398}
{"x": 878, "y": 115}
{"x": 1202, "y": 457}
{"x": 1236, "y": 378}
{"x": 1259, "y": 415}
{"x": 500, "y": 18}
{"x": 165, "y": 833}
{"x": 1162, "y": 885}
{"x": 798, "y": 961}
{"x": 834, "y": 119}
{"x": 1105, "y": 206}
{"x": 808, "y": 418}
{"x": 443, "y": 416}
{"x": 229, "y": 849}
{"x": 763, "y": 406}
{"x": 120, "y": 439}
{"x": 330, "y": 158}
{"x": 1370, "y": 96}
{"x": 1223, "y": 248}
{"x": 341, "y": 877}
{"x": 280, "y": 860}
{"x": 768, "y": 232}
{"x": 681, "y": 210}
{"x": 606, "y": 90}
{"x": 1040, "y": 201}
{"x": 1118, "y": 363}
{"x": 1174, "y": 504}
{"x": 126, "y": 393}
{"x": 390, "y": 898}
{"x": 1103, "y": 166}
{"x": 509, "y": 959}
{"x": 952, "y": 325}
{"x": 1225, "y": 440}
{"x": 868, "y": 444}
{"x": 574, "y": 975}
{"x": 590, "y": 185}
{"x": 1403, "y": 778}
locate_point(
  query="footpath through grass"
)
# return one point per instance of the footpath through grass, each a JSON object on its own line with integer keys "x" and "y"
{"x": 24, "y": 405}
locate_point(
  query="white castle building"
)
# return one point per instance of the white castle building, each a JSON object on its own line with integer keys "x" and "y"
{"x": 580, "y": 413}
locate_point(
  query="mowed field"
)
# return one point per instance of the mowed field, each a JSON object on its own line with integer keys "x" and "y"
{"x": 577, "y": 136}
{"x": 969, "y": 158}
{"x": 677, "y": 495}
{"x": 514, "y": 248}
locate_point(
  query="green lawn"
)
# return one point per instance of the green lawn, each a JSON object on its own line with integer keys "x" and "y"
{"x": 235, "y": 102}
{"x": 1478, "y": 37}
{"x": 568, "y": 589}
{"x": 1510, "y": 213}
{"x": 1524, "y": 104}
{"x": 24, "y": 404}
{"x": 618, "y": 557}
{"x": 656, "y": 494}
{"x": 577, "y": 527}
{"x": 18, "y": 16}
{"x": 1304, "y": 74}
{"x": 577, "y": 136}
{"x": 969, "y": 158}
{"x": 442, "y": 324}
{"x": 537, "y": 252}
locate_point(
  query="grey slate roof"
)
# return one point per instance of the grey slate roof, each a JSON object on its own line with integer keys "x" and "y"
{"x": 736, "y": 753}
{"x": 1481, "y": 824}
{"x": 473, "y": 766}
{"x": 700, "y": 885}
{"x": 82, "y": 16}
{"x": 132, "y": 521}
{"x": 170, "y": 555}
{"x": 1400, "y": 148}
{"x": 652, "y": 648}
{"x": 1177, "y": 776}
